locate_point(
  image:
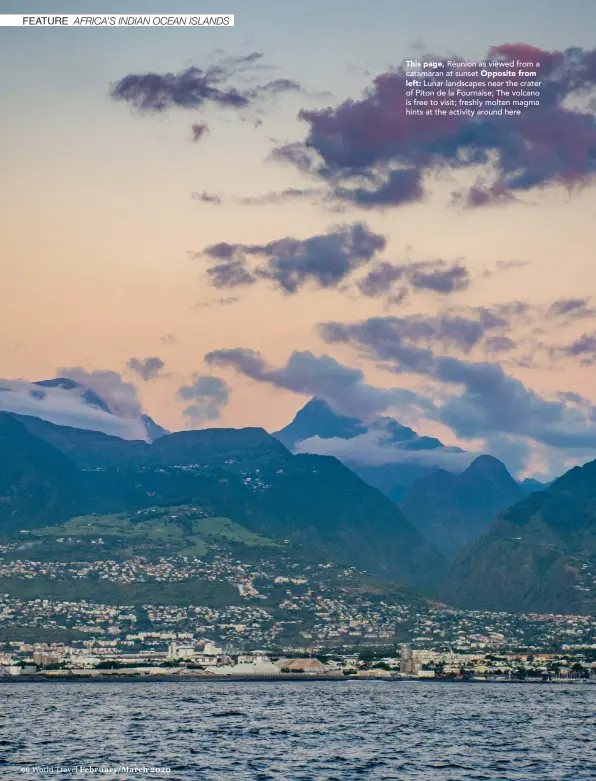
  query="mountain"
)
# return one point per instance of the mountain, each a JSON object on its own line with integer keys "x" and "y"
{"x": 245, "y": 475}
{"x": 90, "y": 398}
{"x": 63, "y": 401}
{"x": 530, "y": 485}
{"x": 317, "y": 419}
{"x": 452, "y": 510}
{"x": 539, "y": 555}
{"x": 401, "y": 455}
{"x": 38, "y": 484}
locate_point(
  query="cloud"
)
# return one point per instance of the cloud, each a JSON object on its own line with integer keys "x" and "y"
{"x": 478, "y": 196}
{"x": 206, "y": 197}
{"x": 506, "y": 265}
{"x": 216, "y": 302}
{"x": 369, "y": 449}
{"x": 198, "y": 130}
{"x": 208, "y": 394}
{"x": 168, "y": 339}
{"x": 342, "y": 387}
{"x": 120, "y": 396}
{"x": 514, "y": 451}
{"x": 394, "y": 188}
{"x": 369, "y": 152}
{"x": 584, "y": 347}
{"x": 487, "y": 400}
{"x": 147, "y": 368}
{"x": 325, "y": 259}
{"x": 436, "y": 276}
{"x": 275, "y": 197}
{"x": 440, "y": 277}
{"x": 499, "y": 344}
{"x": 271, "y": 198}
{"x": 412, "y": 334}
{"x": 197, "y": 88}
{"x": 190, "y": 89}
{"x": 69, "y": 407}
{"x": 571, "y": 308}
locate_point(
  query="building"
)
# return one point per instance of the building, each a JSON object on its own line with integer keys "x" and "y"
{"x": 312, "y": 666}
{"x": 407, "y": 664}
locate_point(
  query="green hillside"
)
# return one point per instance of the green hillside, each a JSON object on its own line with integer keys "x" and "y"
{"x": 538, "y": 555}
{"x": 245, "y": 475}
{"x": 154, "y": 531}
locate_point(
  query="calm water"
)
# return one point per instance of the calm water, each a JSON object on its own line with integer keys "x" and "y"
{"x": 307, "y": 731}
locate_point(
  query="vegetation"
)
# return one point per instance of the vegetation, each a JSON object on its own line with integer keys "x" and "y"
{"x": 539, "y": 555}
{"x": 181, "y": 530}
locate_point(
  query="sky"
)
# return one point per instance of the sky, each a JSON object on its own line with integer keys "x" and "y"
{"x": 262, "y": 225}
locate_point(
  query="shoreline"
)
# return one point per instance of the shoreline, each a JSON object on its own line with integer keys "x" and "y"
{"x": 262, "y": 679}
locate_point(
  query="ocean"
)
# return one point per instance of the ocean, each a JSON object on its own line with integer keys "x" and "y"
{"x": 298, "y": 731}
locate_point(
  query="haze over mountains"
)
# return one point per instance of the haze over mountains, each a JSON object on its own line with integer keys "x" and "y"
{"x": 242, "y": 474}
{"x": 449, "y": 508}
{"x": 384, "y": 453}
{"x": 513, "y": 546}
{"x": 96, "y": 401}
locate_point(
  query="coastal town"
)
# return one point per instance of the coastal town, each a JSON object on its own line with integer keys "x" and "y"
{"x": 218, "y": 615}
{"x": 186, "y": 658}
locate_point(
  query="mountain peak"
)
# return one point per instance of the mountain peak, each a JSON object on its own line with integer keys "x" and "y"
{"x": 317, "y": 419}
{"x": 487, "y": 466}
{"x": 90, "y": 397}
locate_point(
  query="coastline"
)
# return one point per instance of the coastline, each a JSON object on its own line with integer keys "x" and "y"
{"x": 264, "y": 679}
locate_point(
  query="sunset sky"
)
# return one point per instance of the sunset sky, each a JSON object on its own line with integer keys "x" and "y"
{"x": 113, "y": 210}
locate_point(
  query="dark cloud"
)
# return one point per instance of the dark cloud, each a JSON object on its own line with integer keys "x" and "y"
{"x": 499, "y": 344}
{"x": 206, "y": 197}
{"x": 584, "y": 348}
{"x": 342, "y": 387}
{"x": 440, "y": 277}
{"x": 436, "y": 276}
{"x": 412, "y": 334}
{"x": 277, "y": 87}
{"x": 147, "y": 368}
{"x": 192, "y": 88}
{"x": 380, "y": 279}
{"x": 392, "y": 189}
{"x": 198, "y": 130}
{"x": 326, "y": 259}
{"x": 571, "y": 308}
{"x": 37, "y": 393}
{"x": 574, "y": 398}
{"x": 208, "y": 396}
{"x": 478, "y": 196}
{"x": 230, "y": 274}
{"x": 487, "y": 402}
{"x": 196, "y": 88}
{"x": 371, "y": 153}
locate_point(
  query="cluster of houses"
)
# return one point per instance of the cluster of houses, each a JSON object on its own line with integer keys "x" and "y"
{"x": 187, "y": 657}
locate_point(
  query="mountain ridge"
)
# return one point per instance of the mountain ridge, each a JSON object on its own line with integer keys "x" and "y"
{"x": 250, "y": 477}
{"x": 538, "y": 555}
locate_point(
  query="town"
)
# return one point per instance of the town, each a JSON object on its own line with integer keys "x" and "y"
{"x": 268, "y": 617}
